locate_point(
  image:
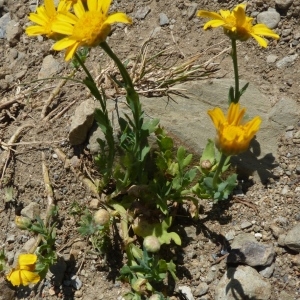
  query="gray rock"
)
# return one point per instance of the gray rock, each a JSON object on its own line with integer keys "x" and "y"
{"x": 287, "y": 61}
{"x": 201, "y": 289}
{"x": 271, "y": 18}
{"x": 292, "y": 239}
{"x": 241, "y": 239}
{"x": 10, "y": 238}
{"x": 82, "y": 122}
{"x": 31, "y": 211}
{"x": 13, "y": 32}
{"x": 251, "y": 253}
{"x": 242, "y": 282}
{"x": 286, "y": 296}
{"x": 191, "y": 10}
{"x": 185, "y": 290}
{"x": 246, "y": 224}
{"x": 283, "y": 4}
{"x": 142, "y": 12}
{"x": 4, "y": 20}
{"x": 76, "y": 282}
{"x": 163, "y": 19}
{"x": 50, "y": 66}
{"x": 281, "y": 240}
{"x": 271, "y": 58}
{"x": 267, "y": 271}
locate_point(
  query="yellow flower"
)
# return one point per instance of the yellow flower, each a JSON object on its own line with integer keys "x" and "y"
{"x": 233, "y": 136}
{"x": 24, "y": 273}
{"x": 44, "y": 17}
{"x": 87, "y": 27}
{"x": 237, "y": 25}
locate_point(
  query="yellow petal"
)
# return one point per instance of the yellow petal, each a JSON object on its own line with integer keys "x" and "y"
{"x": 63, "y": 28}
{"x": 34, "y": 30}
{"x": 118, "y": 18}
{"x": 209, "y": 14}
{"x": 28, "y": 277}
{"x": 14, "y": 276}
{"x": 92, "y": 5}
{"x": 63, "y": 44}
{"x": 262, "y": 29}
{"x": 261, "y": 41}
{"x": 225, "y": 13}
{"x": 240, "y": 16}
{"x": 71, "y": 51}
{"x": 50, "y": 8}
{"x": 214, "y": 24}
{"x": 242, "y": 6}
{"x": 103, "y": 6}
{"x": 217, "y": 116}
{"x": 38, "y": 19}
{"x": 27, "y": 259}
{"x": 68, "y": 18}
{"x": 79, "y": 9}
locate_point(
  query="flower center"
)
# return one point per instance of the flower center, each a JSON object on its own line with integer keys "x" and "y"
{"x": 231, "y": 132}
{"x": 88, "y": 29}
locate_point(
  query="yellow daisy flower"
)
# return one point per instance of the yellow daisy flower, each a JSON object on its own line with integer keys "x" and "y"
{"x": 233, "y": 136}
{"x": 44, "y": 17}
{"x": 237, "y": 25}
{"x": 24, "y": 273}
{"x": 86, "y": 27}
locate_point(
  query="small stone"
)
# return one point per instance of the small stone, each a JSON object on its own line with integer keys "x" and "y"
{"x": 142, "y": 12}
{"x": 276, "y": 230}
{"x": 271, "y": 58}
{"x": 4, "y": 20}
{"x": 13, "y": 32}
{"x": 186, "y": 291}
{"x": 230, "y": 235}
{"x": 283, "y": 4}
{"x": 94, "y": 204}
{"x": 76, "y": 282}
{"x": 191, "y": 10}
{"x": 10, "y": 238}
{"x": 267, "y": 271}
{"x": 246, "y": 224}
{"x": 286, "y": 61}
{"x": 281, "y": 240}
{"x": 258, "y": 235}
{"x": 163, "y": 19}
{"x": 201, "y": 289}
{"x": 50, "y": 67}
{"x": 285, "y": 190}
{"x": 292, "y": 239}
{"x": 31, "y": 211}
{"x": 78, "y": 294}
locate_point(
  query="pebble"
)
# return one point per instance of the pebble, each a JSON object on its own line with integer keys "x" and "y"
{"x": 271, "y": 58}
{"x": 163, "y": 19}
{"x": 186, "y": 291}
{"x": 4, "y": 20}
{"x": 246, "y": 224}
{"x": 76, "y": 282}
{"x": 283, "y": 4}
{"x": 271, "y": 18}
{"x": 10, "y": 238}
{"x": 50, "y": 67}
{"x": 286, "y": 61}
{"x": 191, "y": 10}
{"x": 142, "y": 12}
{"x": 285, "y": 190}
{"x": 201, "y": 289}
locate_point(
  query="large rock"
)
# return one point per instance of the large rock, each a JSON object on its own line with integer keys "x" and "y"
{"x": 250, "y": 252}
{"x": 292, "y": 239}
{"x": 242, "y": 283}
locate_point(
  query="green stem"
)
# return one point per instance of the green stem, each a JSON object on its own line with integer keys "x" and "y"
{"x": 84, "y": 67}
{"x": 219, "y": 170}
{"x": 236, "y": 71}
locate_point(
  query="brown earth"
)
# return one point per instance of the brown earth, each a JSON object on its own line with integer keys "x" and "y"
{"x": 181, "y": 39}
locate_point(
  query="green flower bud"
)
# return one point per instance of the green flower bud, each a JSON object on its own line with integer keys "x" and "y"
{"x": 22, "y": 222}
{"x": 101, "y": 217}
{"x": 155, "y": 297}
{"x": 140, "y": 285}
{"x": 206, "y": 164}
{"x": 151, "y": 244}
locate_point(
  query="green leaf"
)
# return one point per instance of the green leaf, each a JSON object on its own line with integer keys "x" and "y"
{"x": 180, "y": 155}
{"x": 172, "y": 269}
{"x": 187, "y": 160}
{"x": 208, "y": 181}
{"x": 231, "y": 95}
{"x": 243, "y": 89}
{"x": 150, "y": 125}
{"x": 209, "y": 152}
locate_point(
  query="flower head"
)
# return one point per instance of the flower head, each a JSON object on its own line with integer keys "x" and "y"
{"x": 24, "y": 273}
{"x": 237, "y": 25}
{"x": 44, "y": 17}
{"x": 233, "y": 136}
{"x": 86, "y": 27}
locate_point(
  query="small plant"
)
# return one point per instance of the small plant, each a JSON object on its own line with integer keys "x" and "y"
{"x": 147, "y": 181}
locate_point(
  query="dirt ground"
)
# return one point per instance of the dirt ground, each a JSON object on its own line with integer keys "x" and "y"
{"x": 182, "y": 38}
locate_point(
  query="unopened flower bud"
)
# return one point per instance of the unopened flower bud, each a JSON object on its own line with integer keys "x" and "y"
{"x": 206, "y": 164}
{"x": 22, "y": 222}
{"x": 155, "y": 297}
{"x": 101, "y": 217}
{"x": 151, "y": 244}
{"x": 140, "y": 285}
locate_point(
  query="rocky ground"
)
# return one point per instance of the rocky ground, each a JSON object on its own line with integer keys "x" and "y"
{"x": 256, "y": 233}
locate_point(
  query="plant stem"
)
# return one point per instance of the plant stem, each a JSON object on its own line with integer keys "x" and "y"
{"x": 236, "y": 71}
{"x": 218, "y": 171}
{"x": 84, "y": 67}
